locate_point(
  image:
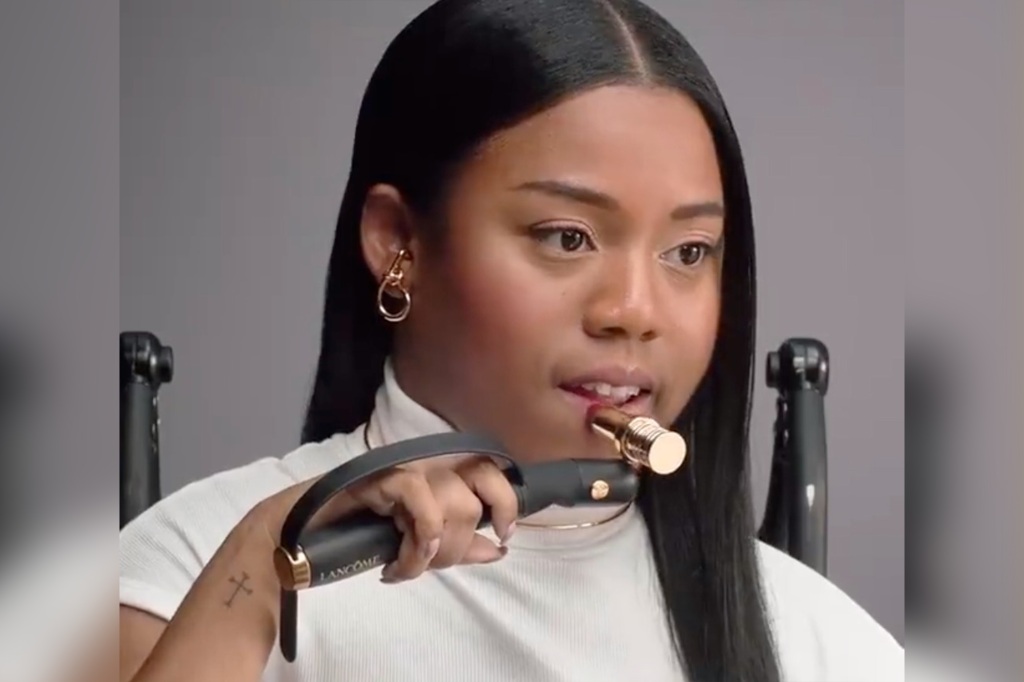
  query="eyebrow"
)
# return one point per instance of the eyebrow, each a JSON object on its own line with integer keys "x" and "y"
{"x": 598, "y": 199}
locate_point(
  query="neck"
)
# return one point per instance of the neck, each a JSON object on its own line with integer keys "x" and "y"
{"x": 398, "y": 416}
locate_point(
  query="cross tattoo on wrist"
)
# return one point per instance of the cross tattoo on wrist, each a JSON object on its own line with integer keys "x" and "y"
{"x": 239, "y": 587}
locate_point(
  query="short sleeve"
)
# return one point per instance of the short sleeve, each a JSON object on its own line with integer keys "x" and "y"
{"x": 164, "y": 550}
{"x": 162, "y": 553}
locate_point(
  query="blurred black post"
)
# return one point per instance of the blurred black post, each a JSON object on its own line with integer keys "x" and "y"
{"x": 796, "y": 512}
{"x": 146, "y": 364}
{"x": 926, "y": 429}
{"x": 17, "y": 401}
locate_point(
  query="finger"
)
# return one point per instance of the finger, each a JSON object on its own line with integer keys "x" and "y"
{"x": 365, "y": 495}
{"x": 341, "y": 505}
{"x": 371, "y": 497}
{"x": 412, "y": 493}
{"x": 489, "y": 484}
{"x": 462, "y": 511}
{"x": 412, "y": 559}
{"x": 483, "y": 551}
{"x": 432, "y": 464}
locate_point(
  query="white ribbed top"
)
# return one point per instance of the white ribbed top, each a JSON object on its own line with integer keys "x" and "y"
{"x": 562, "y": 605}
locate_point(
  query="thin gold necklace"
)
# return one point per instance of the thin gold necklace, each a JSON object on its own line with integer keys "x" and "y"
{"x": 575, "y": 526}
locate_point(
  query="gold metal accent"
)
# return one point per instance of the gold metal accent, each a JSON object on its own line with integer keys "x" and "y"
{"x": 576, "y": 526}
{"x": 640, "y": 440}
{"x": 293, "y": 572}
{"x": 599, "y": 490}
{"x": 393, "y": 282}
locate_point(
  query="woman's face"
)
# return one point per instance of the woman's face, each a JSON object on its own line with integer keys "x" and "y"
{"x": 580, "y": 263}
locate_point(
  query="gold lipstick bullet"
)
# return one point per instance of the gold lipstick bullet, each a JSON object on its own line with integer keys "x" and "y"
{"x": 640, "y": 440}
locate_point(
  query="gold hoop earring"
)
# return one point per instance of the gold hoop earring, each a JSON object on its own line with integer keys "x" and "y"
{"x": 393, "y": 281}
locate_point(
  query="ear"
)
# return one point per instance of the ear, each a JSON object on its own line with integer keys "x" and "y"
{"x": 385, "y": 229}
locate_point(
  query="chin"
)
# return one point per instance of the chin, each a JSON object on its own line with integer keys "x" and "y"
{"x": 557, "y": 430}
{"x": 586, "y": 447}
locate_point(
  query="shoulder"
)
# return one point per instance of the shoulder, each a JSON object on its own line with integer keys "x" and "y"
{"x": 213, "y": 505}
{"x": 821, "y": 632}
{"x": 164, "y": 549}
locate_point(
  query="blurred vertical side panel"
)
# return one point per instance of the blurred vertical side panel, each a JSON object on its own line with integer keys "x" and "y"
{"x": 964, "y": 123}
{"x": 59, "y": 293}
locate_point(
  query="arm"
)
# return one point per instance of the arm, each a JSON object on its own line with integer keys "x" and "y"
{"x": 138, "y": 634}
{"x": 225, "y": 628}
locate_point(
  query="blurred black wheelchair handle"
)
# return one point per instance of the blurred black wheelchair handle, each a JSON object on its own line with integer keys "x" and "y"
{"x": 146, "y": 364}
{"x": 796, "y": 512}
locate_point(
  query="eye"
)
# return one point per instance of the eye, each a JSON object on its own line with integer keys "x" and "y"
{"x": 691, "y": 254}
{"x": 566, "y": 239}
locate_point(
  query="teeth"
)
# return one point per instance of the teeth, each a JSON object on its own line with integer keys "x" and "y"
{"x": 618, "y": 394}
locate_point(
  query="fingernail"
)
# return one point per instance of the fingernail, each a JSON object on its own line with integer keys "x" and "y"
{"x": 502, "y": 551}
{"x": 431, "y": 548}
{"x": 387, "y": 574}
{"x": 508, "y": 533}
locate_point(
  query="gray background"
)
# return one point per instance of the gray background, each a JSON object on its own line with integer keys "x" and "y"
{"x": 59, "y": 252}
{"x": 959, "y": 230}
{"x": 236, "y": 126}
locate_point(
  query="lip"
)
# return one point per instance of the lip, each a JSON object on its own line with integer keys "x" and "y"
{"x": 616, "y": 375}
{"x": 639, "y": 406}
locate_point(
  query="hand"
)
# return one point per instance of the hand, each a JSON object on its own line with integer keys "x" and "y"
{"x": 436, "y": 504}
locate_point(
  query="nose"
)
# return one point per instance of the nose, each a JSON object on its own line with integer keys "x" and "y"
{"x": 624, "y": 302}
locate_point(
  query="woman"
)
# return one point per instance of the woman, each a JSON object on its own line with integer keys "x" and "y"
{"x": 547, "y": 208}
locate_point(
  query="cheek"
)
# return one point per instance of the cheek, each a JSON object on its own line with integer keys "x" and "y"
{"x": 694, "y": 335}
{"x": 504, "y": 312}
{"x": 701, "y": 326}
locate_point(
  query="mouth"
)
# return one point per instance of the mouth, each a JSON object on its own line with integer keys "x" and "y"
{"x": 600, "y": 393}
{"x": 627, "y": 390}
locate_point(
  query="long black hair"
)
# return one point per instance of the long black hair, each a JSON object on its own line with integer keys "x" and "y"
{"x": 457, "y": 74}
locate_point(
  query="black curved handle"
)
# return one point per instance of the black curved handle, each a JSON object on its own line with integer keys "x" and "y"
{"x": 339, "y": 551}
{"x": 365, "y": 540}
{"x": 377, "y": 460}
